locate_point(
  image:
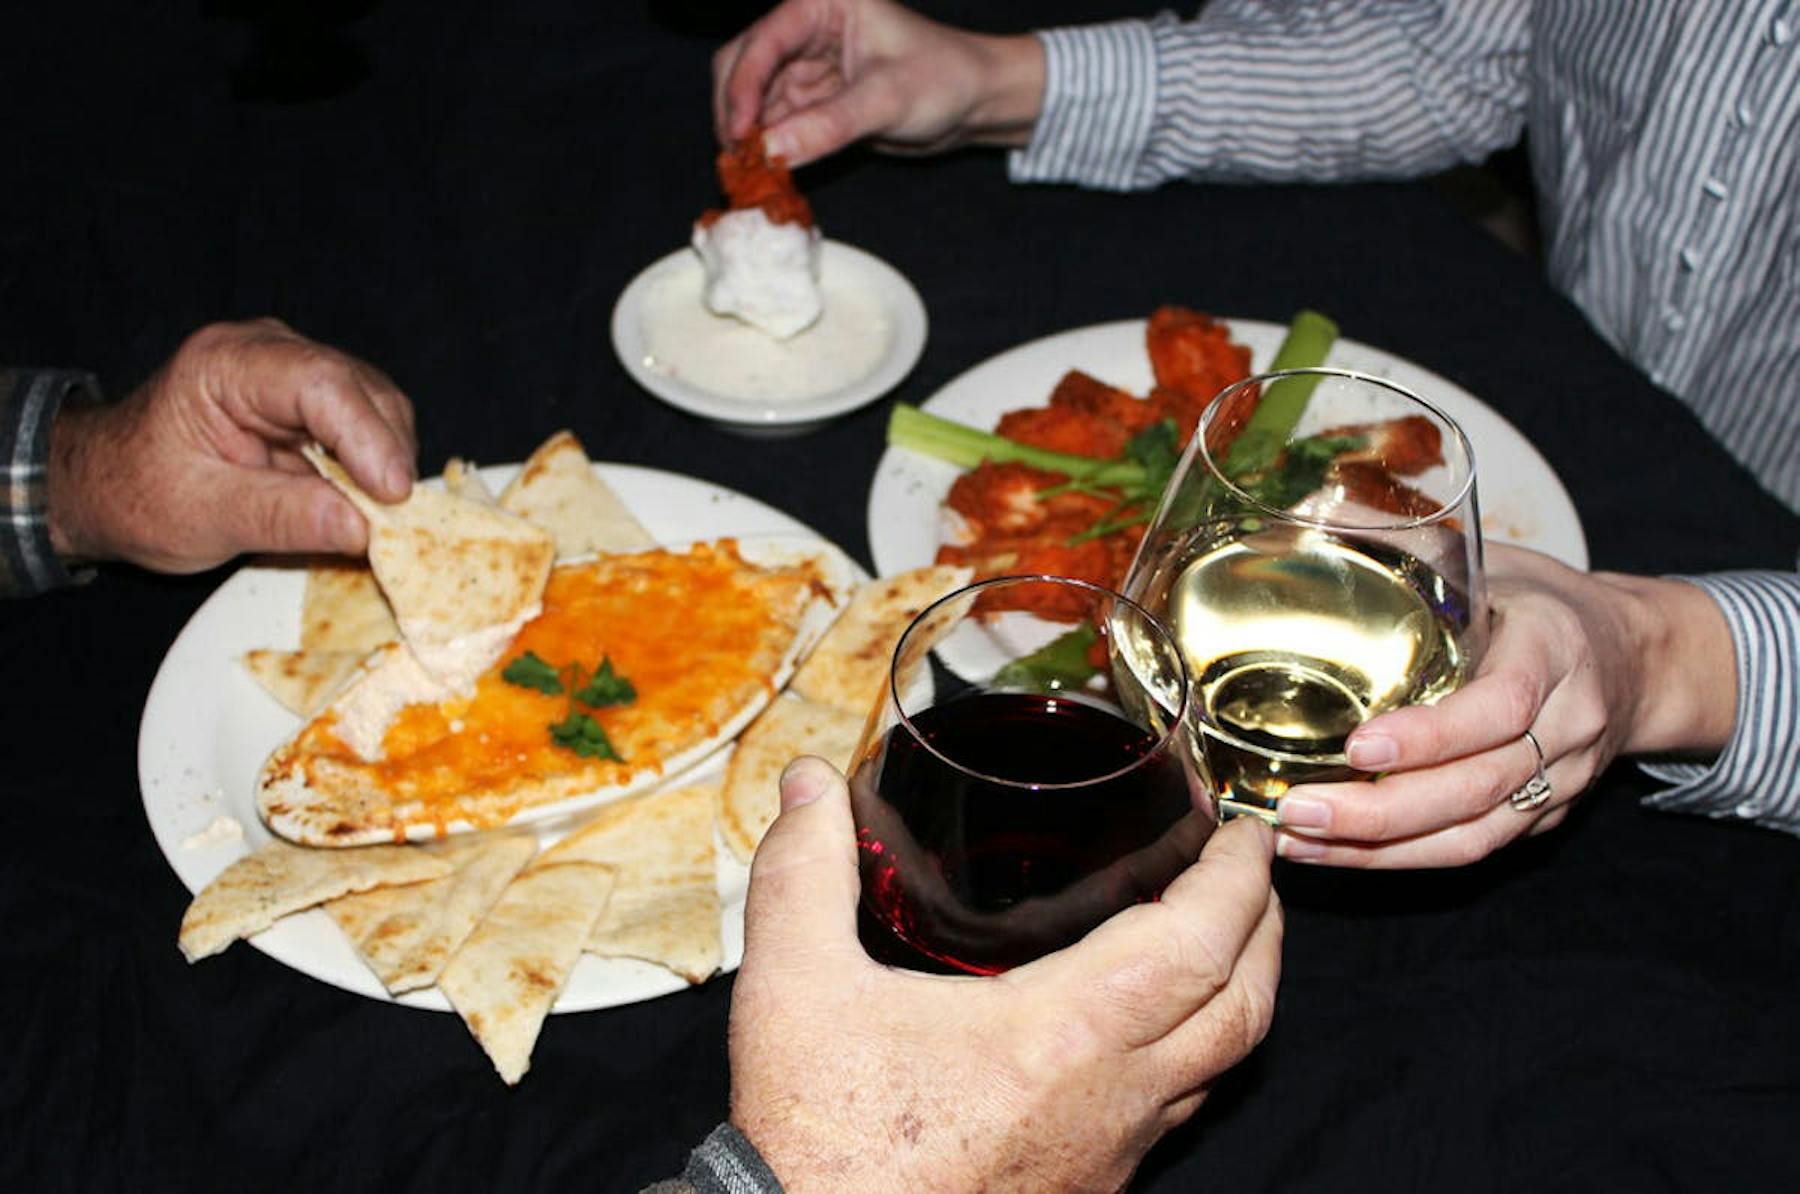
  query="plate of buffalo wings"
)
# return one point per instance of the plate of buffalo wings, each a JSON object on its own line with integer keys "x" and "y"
{"x": 1094, "y": 392}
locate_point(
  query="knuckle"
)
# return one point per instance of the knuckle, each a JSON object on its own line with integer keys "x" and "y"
{"x": 209, "y": 338}
{"x": 323, "y": 376}
{"x": 1259, "y": 1009}
{"x": 1470, "y": 843}
{"x": 1055, "y": 1044}
{"x": 1366, "y": 820}
{"x": 1516, "y": 700}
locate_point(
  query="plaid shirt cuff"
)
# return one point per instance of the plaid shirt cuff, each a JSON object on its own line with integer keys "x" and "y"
{"x": 29, "y": 400}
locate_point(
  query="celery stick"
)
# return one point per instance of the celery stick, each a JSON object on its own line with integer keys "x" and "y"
{"x": 964, "y": 446}
{"x": 1308, "y": 341}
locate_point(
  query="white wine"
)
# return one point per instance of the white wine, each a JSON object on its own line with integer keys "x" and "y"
{"x": 1295, "y": 637}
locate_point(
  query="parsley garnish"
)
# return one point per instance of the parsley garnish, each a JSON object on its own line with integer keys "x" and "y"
{"x": 576, "y": 731}
{"x": 1063, "y": 662}
{"x": 1156, "y": 450}
{"x": 582, "y": 734}
{"x": 1299, "y": 472}
{"x": 606, "y": 687}
{"x": 528, "y": 671}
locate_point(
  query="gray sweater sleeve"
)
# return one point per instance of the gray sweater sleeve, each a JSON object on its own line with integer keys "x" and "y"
{"x": 725, "y": 1163}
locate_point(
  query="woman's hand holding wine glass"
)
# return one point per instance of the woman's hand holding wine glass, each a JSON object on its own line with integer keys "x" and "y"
{"x": 1320, "y": 565}
{"x": 1595, "y": 665}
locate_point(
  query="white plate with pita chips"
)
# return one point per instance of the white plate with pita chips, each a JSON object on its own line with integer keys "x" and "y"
{"x": 208, "y": 727}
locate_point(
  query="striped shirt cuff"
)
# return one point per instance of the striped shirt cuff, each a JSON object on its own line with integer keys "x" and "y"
{"x": 1099, "y": 105}
{"x": 1757, "y": 776}
{"x": 727, "y": 1163}
{"x": 29, "y": 400}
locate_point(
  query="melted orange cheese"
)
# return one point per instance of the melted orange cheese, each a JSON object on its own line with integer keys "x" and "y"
{"x": 699, "y": 634}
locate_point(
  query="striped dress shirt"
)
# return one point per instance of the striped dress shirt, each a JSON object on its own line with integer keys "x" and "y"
{"x": 1665, "y": 147}
{"x": 1664, "y": 138}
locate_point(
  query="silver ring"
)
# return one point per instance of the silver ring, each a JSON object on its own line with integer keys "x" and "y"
{"x": 1536, "y": 791}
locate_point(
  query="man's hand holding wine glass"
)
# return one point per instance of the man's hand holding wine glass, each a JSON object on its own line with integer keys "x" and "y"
{"x": 1057, "y": 1074}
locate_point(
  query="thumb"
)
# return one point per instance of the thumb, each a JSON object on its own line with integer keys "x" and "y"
{"x": 803, "y": 881}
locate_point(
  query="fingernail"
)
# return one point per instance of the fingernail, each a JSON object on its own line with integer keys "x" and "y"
{"x": 802, "y": 782}
{"x": 1372, "y": 752}
{"x": 1298, "y": 849}
{"x": 1302, "y": 813}
{"x": 779, "y": 144}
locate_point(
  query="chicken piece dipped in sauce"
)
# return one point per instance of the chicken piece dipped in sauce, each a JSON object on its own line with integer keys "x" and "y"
{"x": 761, "y": 256}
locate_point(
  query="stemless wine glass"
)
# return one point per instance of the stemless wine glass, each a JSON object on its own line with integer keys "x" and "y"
{"x": 1316, "y": 571}
{"x": 1022, "y": 780}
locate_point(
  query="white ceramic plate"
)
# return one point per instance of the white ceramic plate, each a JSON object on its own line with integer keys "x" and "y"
{"x": 208, "y": 727}
{"x": 793, "y": 376}
{"x": 1521, "y": 499}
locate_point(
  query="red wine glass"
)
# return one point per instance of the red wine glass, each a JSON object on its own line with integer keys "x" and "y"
{"x": 1027, "y": 773}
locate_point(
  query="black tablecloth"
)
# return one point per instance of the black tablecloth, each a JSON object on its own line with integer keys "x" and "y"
{"x": 459, "y": 193}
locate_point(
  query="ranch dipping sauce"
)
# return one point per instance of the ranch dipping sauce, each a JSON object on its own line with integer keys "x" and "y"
{"x": 686, "y": 342}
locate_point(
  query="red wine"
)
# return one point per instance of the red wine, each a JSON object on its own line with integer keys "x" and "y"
{"x": 964, "y": 874}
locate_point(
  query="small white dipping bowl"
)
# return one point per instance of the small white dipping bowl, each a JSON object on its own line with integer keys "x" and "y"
{"x": 740, "y": 377}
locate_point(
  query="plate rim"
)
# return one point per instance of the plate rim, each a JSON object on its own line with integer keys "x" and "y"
{"x": 293, "y": 940}
{"x": 905, "y": 307}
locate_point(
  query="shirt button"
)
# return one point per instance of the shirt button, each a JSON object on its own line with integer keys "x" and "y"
{"x": 1780, "y": 32}
{"x": 1690, "y": 260}
{"x": 1675, "y": 319}
{"x": 1745, "y": 116}
{"x": 1715, "y": 188}
{"x": 1750, "y": 808}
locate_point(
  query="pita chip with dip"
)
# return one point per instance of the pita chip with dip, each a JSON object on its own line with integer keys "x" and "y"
{"x": 461, "y": 577}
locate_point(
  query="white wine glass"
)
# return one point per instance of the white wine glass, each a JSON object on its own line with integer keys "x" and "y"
{"x": 1319, "y": 563}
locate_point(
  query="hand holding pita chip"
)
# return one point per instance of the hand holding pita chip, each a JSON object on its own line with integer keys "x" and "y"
{"x": 203, "y": 462}
{"x": 1058, "y": 1074}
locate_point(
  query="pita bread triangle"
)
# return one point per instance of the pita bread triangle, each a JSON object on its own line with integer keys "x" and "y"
{"x": 665, "y": 904}
{"x": 450, "y": 568}
{"x": 510, "y": 970}
{"x": 849, "y": 666}
{"x": 558, "y": 490}
{"x": 277, "y": 878}
{"x": 463, "y": 479}
{"x": 303, "y": 681}
{"x": 343, "y": 609}
{"x": 407, "y": 934}
{"x": 788, "y": 728}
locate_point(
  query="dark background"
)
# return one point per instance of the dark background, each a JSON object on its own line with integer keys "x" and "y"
{"x": 458, "y": 192}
